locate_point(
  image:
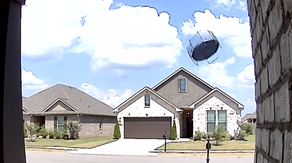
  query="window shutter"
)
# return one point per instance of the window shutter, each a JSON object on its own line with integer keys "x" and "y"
{"x": 55, "y": 123}
{"x": 65, "y": 121}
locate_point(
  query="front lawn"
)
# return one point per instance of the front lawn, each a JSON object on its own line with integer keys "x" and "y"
{"x": 225, "y": 145}
{"x": 78, "y": 143}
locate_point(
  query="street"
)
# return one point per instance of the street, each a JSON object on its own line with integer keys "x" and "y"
{"x": 55, "y": 157}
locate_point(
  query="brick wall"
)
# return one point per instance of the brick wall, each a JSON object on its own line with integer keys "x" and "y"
{"x": 271, "y": 33}
{"x": 90, "y": 125}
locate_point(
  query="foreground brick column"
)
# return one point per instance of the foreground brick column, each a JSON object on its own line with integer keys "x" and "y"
{"x": 271, "y": 32}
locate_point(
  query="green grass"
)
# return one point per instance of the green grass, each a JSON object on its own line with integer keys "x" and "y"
{"x": 225, "y": 145}
{"x": 79, "y": 143}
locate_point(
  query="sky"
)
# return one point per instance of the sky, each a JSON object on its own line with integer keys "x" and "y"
{"x": 110, "y": 49}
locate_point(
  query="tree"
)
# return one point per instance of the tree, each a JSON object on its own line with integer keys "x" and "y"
{"x": 218, "y": 133}
{"x": 245, "y": 129}
{"x": 73, "y": 128}
{"x": 32, "y": 130}
{"x": 117, "y": 133}
{"x": 173, "y": 135}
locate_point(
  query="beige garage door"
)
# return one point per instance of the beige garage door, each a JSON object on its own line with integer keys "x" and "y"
{"x": 146, "y": 127}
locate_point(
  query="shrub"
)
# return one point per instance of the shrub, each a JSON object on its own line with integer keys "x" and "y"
{"x": 51, "y": 134}
{"x": 173, "y": 135}
{"x": 24, "y": 132}
{"x": 117, "y": 133}
{"x": 58, "y": 134}
{"x": 73, "y": 129}
{"x": 245, "y": 129}
{"x": 32, "y": 130}
{"x": 43, "y": 132}
{"x": 198, "y": 135}
{"x": 218, "y": 134}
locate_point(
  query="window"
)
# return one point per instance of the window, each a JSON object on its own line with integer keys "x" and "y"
{"x": 61, "y": 123}
{"x": 100, "y": 124}
{"x": 182, "y": 84}
{"x": 211, "y": 120}
{"x": 147, "y": 100}
{"x": 222, "y": 119}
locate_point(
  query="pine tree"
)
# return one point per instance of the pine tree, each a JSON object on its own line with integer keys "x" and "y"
{"x": 117, "y": 133}
{"x": 173, "y": 135}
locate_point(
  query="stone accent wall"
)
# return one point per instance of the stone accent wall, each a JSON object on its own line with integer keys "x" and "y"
{"x": 271, "y": 33}
{"x": 200, "y": 115}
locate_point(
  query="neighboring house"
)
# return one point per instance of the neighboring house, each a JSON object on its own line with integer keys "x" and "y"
{"x": 249, "y": 118}
{"x": 181, "y": 97}
{"x": 54, "y": 106}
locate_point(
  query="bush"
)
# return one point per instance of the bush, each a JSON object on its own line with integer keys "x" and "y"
{"x": 43, "y": 132}
{"x": 245, "y": 129}
{"x": 58, "y": 134}
{"x": 73, "y": 129}
{"x": 198, "y": 135}
{"x": 24, "y": 132}
{"x": 173, "y": 135}
{"x": 117, "y": 133}
{"x": 51, "y": 134}
{"x": 32, "y": 130}
{"x": 218, "y": 134}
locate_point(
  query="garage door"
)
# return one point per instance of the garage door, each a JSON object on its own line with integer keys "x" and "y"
{"x": 146, "y": 127}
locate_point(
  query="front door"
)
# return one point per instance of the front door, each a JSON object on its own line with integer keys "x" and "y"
{"x": 189, "y": 127}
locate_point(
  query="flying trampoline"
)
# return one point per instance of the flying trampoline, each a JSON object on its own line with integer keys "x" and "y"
{"x": 203, "y": 45}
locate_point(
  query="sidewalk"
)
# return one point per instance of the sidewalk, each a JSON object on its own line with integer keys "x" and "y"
{"x": 154, "y": 151}
{"x": 202, "y": 151}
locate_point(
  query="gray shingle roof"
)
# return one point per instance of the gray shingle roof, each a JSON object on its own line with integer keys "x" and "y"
{"x": 245, "y": 117}
{"x": 79, "y": 100}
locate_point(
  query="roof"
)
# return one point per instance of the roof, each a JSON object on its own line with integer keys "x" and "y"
{"x": 79, "y": 101}
{"x": 141, "y": 90}
{"x": 253, "y": 116}
{"x": 249, "y": 116}
{"x": 186, "y": 71}
{"x": 240, "y": 105}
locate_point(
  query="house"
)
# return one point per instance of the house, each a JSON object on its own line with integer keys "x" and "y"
{"x": 249, "y": 118}
{"x": 54, "y": 106}
{"x": 183, "y": 98}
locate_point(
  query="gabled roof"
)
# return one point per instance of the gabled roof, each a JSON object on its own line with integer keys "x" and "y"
{"x": 253, "y": 116}
{"x": 248, "y": 116}
{"x": 59, "y": 100}
{"x": 79, "y": 101}
{"x": 240, "y": 105}
{"x": 245, "y": 117}
{"x": 186, "y": 71}
{"x": 140, "y": 91}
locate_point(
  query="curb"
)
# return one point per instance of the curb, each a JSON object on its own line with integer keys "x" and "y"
{"x": 202, "y": 151}
{"x": 56, "y": 148}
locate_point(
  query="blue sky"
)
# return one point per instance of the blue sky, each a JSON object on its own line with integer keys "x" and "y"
{"x": 125, "y": 45}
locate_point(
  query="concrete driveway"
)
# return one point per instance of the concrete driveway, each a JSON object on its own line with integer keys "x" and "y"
{"x": 125, "y": 147}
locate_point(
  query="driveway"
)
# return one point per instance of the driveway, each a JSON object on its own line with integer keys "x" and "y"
{"x": 125, "y": 147}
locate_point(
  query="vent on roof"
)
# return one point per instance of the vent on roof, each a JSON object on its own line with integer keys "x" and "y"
{"x": 71, "y": 87}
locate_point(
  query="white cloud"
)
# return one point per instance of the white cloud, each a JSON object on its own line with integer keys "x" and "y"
{"x": 233, "y": 31}
{"x": 247, "y": 73}
{"x": 31, "y": 82}
{"x": 226, "y": 2}
{"x": 119, "y": 38}
{"x": 217, "y": 73}
{"x": 111, "y": 97}
{"x": 242, "y": 5}
{"x": 229, "y": 4}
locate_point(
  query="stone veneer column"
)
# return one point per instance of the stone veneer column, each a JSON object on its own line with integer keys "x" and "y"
{"x": 271, "y": 32}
